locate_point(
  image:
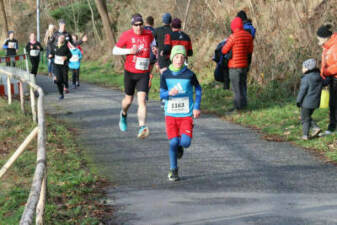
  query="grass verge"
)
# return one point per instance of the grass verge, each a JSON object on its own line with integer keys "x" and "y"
{"x": 74, "y": 191}
{"x": 271, "y": 110}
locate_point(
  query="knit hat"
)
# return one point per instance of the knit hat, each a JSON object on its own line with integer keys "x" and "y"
{"x": 61, "y": 21}
{"x": 10, "y": 32}
{"x": 242, "y": 14}
{"x": 167, "y": 18}
{"x": 309, "y": 64}
{"x": 324, "y": 31}
{"x": 176, "y": 23}
{"x": 177, "y": 49}
{"x": 236, "y": 24}
{"x": 136, "y": 18}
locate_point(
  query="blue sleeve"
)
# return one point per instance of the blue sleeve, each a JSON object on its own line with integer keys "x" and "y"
{"x": 198, "y": 93}
{"x": 5, "y": 46}
{"x": 164, "y": 93}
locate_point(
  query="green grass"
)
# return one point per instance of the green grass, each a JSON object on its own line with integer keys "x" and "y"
{"x": 271, "y": 109}
{"x": 74, "y": 191}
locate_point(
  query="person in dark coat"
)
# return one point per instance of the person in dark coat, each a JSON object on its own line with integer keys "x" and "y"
{"x": 34, "y": 49}
{"x": 309, "y": 96}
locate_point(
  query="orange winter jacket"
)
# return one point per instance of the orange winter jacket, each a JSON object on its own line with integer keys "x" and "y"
{"x": 329, "y": 57}
{"x": 241, "y": 43}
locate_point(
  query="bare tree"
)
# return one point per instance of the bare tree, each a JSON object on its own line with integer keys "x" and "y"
{"x": 5, "y": 23}
{"x": 186, "y": 13}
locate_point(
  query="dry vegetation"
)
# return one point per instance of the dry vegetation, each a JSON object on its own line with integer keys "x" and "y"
{"x": 285, "y": 29}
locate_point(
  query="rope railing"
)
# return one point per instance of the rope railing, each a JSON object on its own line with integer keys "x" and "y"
{"x": 36, "y": 201}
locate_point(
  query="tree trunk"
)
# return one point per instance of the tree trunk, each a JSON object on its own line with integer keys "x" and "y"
{"x": 186, "y": 13}
{"x": 109, "y": 34}
{"x": 5, "y": 24}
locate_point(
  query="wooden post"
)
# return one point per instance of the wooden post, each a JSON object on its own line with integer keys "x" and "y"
{"x": 42, "y": 201}
{"x": 18, "y": 152}
{"x": 9, "y": 90}
{"x": 22, "y": 97}
{"x": 33, "y": 104}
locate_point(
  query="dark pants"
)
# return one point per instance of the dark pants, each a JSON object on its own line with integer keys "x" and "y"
{"x": 307, "y": 121}
{"x": 238, "y": 77}
{"x": 35, "y": 64}
{"x": 61, "y": 72}
{"x": 76, "y": 75}
{"x": 333, "y": 104}
{"x": 11, "y": 63}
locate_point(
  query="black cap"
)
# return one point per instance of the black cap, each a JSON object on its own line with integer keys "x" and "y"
{"x": 324, "y": 31}
{"x": 242, "y": 14}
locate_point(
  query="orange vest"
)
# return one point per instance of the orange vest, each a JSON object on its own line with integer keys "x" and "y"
{"x": 329, "y": 57}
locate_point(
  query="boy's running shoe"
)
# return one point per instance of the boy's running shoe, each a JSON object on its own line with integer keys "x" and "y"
{"x": 143, "y": 132}
{"x": 123, "y": 125}
{"x": 180, "y": 152}
{"x": 173, "y": 175}
{"x": 315, "y": 131}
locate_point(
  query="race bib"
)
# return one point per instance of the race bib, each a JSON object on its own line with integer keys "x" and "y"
{"x": 34, "y": 52}
{"x": 59, "y": 60}
{"x": 142, "y": 63}
{"x": 178, "y": 105}
{"x": 74, "y": 58}
{"x": 11, "y": 44}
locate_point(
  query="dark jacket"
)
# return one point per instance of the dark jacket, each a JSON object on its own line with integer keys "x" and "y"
{"x": 11, "y": 50}
{"x": 61, "y": 51}
{"x": 36, "y": 46}
{"x": 177, "y": 38}
{"x": 221, "y": 72}
{"x": 67, "y": 37}
{"x": 159, "y": 35}
{"x": 309, "y": 95}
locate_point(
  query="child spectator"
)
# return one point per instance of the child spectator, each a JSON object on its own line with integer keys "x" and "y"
{"x": 309, "y": 97}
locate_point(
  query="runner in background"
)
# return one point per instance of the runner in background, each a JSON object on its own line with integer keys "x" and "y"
{"x": 149, "y": 23}
{"x": 74, "y": 64}
{"x": 135, "y": 43}
{"x": 176, "y": 86}
{"x": 159, "y": 35}
{"x": 61, "y": 55}
{"x": 177, "y": 37}
{"x": 11, "y": 45}
{"x": 47, "y": 39}
{"x": 33, "y": 49}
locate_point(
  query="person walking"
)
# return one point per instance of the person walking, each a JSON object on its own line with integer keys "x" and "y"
{"x": 135, "y": 43}
{"x": 309, "y": 96}
{"x": 47, "y": 39}
{"x": 34, "y": 49}
{"x": 241, "y": 44}
{"x": 177, "y": 37}
{"x": 159, "y": 35}
{"x": 328, "y": 40}
{"x": 74, "y": 65}
{"x": 176, "y": 86}
{"x": 61, "y": 55}
{"x": 11, "y": 45}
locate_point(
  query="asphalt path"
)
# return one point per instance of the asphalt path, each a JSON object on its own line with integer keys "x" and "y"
{"x": 230, "y": 175}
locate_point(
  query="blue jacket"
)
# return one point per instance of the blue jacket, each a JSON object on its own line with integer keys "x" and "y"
{"x": 75, "y": 60}
{"x": 248, "y": 26}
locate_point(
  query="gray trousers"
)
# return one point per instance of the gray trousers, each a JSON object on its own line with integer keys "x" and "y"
{"x": 307, "y": 121}
{"x": 238, "y": 78}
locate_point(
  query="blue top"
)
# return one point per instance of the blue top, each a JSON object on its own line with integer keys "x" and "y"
{"x": 75, "y": 60}
{"x": 248, "y": 26}
{"x": 182, "y": 104}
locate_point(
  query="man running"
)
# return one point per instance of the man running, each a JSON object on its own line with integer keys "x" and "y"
{"x": 176, "y": 86}
{"x": 33, "y": 49}
{"x": 135, "y": 43}
{"x": 177, "y": 37}
{"x": 159, "y": 35}
{"x": 11, "y": 46}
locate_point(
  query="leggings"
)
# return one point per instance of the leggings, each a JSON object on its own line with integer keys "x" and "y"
{"x": 76, "y": 75}
{"x": 35, "y": 64}
{"x": 184, "y": 141}
{"x": 61, "y": 73}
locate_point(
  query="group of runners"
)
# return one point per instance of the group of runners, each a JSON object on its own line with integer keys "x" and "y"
{"x": 63, "y": 52}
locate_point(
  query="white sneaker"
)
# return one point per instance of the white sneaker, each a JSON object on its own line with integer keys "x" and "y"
{"x": 326, "y": 133}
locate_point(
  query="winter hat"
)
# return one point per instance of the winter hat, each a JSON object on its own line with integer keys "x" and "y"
{"x": 10, "y": 32}
{"x": 61, "y": 21}
{"x": 136, "y": 18}
{"x": 236, "y": 24}
{"x": 177, "y": 49}
{"x": 309, "y": 64}
{"x": 242, "y": 14}
{"x": 167, "y": 18}
{"x": 176, "y": 23}
{"x": 324, "y": 31}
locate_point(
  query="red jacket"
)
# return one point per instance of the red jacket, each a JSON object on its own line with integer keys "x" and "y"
{"x": 329, "y": 57}
{"x": 241, "y": 43}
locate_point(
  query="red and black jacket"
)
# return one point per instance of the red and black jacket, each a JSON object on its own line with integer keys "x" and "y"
{"x": 177, "y": 38}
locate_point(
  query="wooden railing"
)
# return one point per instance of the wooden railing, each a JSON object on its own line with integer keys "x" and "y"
{"x": 36, "y": 201}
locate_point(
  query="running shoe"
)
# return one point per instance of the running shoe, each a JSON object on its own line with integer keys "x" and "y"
{"x": 326, "y": 133}
{"x": 180, "y": 152}
{"x": 143, "y": 132}
{"x": 173, "y": 175}
{"x": 61, "y": 97}
{"x": 74, "y": 86}
{"x": 305, "y": 138}
{"x": 315, "y": 131}
{"x": 123, "y": 125}
{"x": 77, "y": 83}
{"x": 66, "y": 90}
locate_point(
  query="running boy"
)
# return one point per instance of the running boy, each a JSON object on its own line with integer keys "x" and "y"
{"x": 176, "y": 86}
{"x": 309, "y": 96}
{"x": 74, "y": 64}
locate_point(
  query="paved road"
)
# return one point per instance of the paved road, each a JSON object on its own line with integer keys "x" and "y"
{"x": 229, "y": 175}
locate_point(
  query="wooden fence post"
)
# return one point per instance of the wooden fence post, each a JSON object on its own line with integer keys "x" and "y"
{"x": 9, "y": 90}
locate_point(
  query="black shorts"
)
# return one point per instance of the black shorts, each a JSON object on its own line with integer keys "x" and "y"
{"x": 132, "y": 81}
